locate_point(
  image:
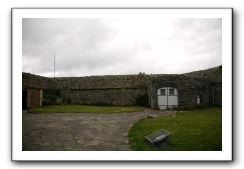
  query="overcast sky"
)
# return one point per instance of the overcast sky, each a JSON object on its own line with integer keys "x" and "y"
{"x": 85, "y": 47}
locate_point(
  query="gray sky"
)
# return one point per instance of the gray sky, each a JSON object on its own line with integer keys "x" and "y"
{"x": 86, "y": 47}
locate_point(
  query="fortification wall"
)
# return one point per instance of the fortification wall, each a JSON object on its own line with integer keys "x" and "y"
{"x": 35, "y": 81}
{"x": 215, "y": 76}
{"x": 101, "y": 90}
{"x": 188, "y": 88}
{"x": 217, "y": 94}
{"x": 118, "y": 96}
{"x": 129, "y": 89}
{"x": 102, "y": 82}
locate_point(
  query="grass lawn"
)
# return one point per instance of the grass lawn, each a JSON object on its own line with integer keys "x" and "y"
{"x": 86, "y": 109}
{"x": 198, "y": 130}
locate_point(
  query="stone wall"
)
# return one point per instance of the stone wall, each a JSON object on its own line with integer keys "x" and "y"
{"x": 104, "y": 90}
{"x": 130, "y": 89}
{"x": 188, "y": 88}
{"x": 35, "y": 81}
{"x": 116, "y": 96}
{"x": 217, "y": 94}
{"x": 101, "y": 82}
{"x": 215, "y": 76}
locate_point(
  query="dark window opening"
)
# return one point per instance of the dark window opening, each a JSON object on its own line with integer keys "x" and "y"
{"x": 171, "y": 91}
{"x": 162, "y": 92}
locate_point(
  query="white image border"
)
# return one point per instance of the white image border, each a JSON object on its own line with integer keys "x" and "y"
{"x": 224, "y": 155}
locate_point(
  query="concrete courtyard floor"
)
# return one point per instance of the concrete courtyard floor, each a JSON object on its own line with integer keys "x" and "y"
{"x": 80, "y": 131}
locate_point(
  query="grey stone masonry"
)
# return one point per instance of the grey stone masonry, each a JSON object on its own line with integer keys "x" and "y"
{"x": 131, "y": 89}
{"x": 188, "y": 88}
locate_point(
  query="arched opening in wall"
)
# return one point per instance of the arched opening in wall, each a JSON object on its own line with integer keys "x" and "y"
{"x": 198, "y": 100}
{"x": 167, "y": 98}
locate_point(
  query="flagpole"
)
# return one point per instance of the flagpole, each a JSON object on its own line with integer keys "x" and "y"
{"x": 54, "y": 65}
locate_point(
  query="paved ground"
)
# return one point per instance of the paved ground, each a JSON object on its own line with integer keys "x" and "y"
{"x": 79, "y": 131}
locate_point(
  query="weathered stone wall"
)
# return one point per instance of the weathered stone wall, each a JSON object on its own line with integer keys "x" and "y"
{"x": 102, "y": 82}
{"x": 35, "y": 81}
{"x": 111, "y": 89}
{"x": 126, "y": 96}
{"x": 215, "y": 76}
{"x": 212, "y": 74}
{"x": 217, "y": 94}
{"x": 188, "y": 88}
{"x": 130, "y": 89}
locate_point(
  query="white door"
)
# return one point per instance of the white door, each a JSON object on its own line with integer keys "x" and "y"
{"x": 167, "y": 98}
{"x": 198, "y": 100}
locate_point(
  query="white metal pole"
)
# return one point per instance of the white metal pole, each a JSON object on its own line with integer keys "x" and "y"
{"x": 54, "y": 66}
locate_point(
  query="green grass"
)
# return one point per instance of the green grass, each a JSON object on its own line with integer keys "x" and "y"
{"x": 86, "y": 109}
{"x": 198, "y": 130}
